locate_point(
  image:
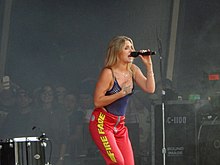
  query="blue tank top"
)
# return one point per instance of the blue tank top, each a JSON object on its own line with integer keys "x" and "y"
{"x": 119, "y": 106}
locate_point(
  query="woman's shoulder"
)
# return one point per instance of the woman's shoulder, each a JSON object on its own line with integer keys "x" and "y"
{"x": 134, "y": 68}
{"x": 107, "y": 71}
{"x": 106, "y": 74}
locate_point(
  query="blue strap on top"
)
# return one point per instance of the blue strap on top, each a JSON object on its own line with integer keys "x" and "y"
{"x": 119, "y": 106}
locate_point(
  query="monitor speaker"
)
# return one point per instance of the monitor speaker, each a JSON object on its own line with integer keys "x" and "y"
{"x": 209, "y": 144}
{"x": 180, "y": 131}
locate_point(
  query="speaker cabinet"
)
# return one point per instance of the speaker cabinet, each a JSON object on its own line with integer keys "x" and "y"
{"x": 180, "y": 133}
{"x": 209, "y": 144}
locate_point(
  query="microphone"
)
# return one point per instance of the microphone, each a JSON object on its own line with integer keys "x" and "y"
{"x": 135, "y": 54}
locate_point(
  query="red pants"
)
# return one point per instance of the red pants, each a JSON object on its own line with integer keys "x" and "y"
{"x": 111, "y": 136}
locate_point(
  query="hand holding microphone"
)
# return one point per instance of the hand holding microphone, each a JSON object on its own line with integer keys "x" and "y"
{"x": 145, "y": 56}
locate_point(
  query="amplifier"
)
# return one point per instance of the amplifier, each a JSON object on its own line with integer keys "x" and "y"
{"x": 180, "y": 133}
{"x": 209, "y": 143}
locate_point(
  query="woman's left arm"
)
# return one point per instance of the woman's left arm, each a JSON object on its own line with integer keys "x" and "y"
{"x": 146, "y": 83}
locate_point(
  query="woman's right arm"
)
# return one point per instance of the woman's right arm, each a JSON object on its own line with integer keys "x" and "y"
{"x": 103, "y": 84}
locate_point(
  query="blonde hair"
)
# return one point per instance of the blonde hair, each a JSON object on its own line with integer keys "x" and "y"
{"x": 114, "y": 48}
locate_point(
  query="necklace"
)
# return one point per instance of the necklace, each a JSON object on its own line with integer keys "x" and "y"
{"x": 122, "y": 75}
{"x": 125, "y": 75}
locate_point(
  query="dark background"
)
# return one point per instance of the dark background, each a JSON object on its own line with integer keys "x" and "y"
{"x": 64, "y": 41}
{"x": 197, "y": 53}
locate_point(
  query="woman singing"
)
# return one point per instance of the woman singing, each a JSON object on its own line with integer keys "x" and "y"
{"x": 113, "y": 90}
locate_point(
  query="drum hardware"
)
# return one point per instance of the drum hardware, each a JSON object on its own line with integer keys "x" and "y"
{"x": 23, "y": 151}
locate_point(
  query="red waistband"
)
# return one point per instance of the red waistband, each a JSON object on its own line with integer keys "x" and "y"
{"x": 109, "y": 115}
